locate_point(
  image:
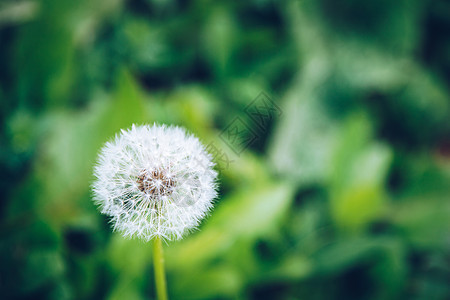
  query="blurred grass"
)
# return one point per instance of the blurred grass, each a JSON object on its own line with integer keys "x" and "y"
{"x": 343, "y": 196}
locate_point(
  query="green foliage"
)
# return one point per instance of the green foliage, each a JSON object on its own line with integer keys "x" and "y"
{"x": 343, "y": 195}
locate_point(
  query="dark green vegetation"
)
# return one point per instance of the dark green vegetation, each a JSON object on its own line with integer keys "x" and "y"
{"x": 345, "y": 195}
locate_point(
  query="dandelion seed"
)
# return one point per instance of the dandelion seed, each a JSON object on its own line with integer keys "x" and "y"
{"x": 154, "y": 181}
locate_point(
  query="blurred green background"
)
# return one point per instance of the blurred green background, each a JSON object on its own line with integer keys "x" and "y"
{"x": 344, "y": 195}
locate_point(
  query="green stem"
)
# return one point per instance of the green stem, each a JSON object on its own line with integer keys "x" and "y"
{"x": 160, "y": 276}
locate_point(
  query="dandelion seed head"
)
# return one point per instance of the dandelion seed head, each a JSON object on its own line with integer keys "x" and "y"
{"x": 154, "y": 181}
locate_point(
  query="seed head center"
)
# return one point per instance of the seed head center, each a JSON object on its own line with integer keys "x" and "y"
{"x": 155, "y": 183}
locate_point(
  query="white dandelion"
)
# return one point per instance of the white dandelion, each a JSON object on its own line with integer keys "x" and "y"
{"x": 154, "y": 182}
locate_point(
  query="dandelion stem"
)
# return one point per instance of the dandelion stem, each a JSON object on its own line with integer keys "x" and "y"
{"x": 160, "y": 276}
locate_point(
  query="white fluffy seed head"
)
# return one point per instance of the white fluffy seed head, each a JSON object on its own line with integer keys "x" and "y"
{"x": 154, "y": 181}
